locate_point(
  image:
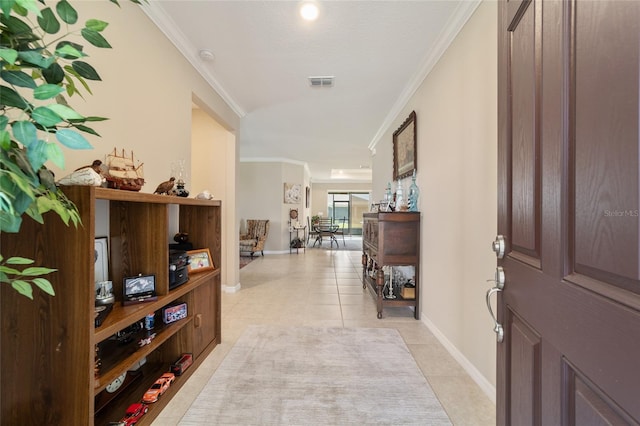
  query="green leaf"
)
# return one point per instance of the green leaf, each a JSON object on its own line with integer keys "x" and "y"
{"x": 96, "y": 24}
{"x": 4, "y": 121}
{"x": 85, "y": 70}
{"x": 18, "y": 27}
{"x": 5, "y": 139}
{"x": 86, "y": 129}
{"x": 23, "y": 287}
{"x": 48, "y": 21}
{"x": 66, "y": 12}
{"x": 72, "y": 139}
{"x": 92, "y": 118}
{"x": 47, "y": 91}
{"x": 44, "y": 285}
{"x": 55, "y": 154}
{"x": 69, "y": 69}
{"x": 6, "y": 6}
{"x": 36, "y": 58}
{"x": 35, "y": 271}
{"x": 10, "y": 223}
{"x": 65, "y": 112}
{"x": 18, "y": 78}
{"x": 68, "y": 51}
{"x": 25, "y": 132}
{"x": 8, "y": 55}
{"x": 20, "y": 10}
{"x": 29, "y": 5}
{"x": 11, "y": 271}
{"x": 45, "y": 116}
{"x": 53, "y": 74}
{"x": 11, "y": 98}
{"x": 37, "y": 154}
{"x": 95, "y": 38}
{"x": 17, "y": 260}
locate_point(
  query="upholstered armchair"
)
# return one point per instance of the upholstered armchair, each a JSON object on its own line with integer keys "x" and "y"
{"x": 253, "y": 241}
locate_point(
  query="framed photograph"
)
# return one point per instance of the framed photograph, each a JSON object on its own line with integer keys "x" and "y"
{"x": 139, "y": 287}
{"x": 404, "y": 148}
{"x": 199, "y": 261}
{"x": 292, "y": 193}
{"x": 101, "y": 259}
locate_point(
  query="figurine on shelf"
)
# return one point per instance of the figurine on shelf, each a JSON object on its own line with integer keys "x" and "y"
{"x": 165, "y": 187}
{"x": 179, "y": 190}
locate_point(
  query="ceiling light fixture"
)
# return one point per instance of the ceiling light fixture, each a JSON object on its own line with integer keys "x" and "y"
{"x": 309, "y": 11}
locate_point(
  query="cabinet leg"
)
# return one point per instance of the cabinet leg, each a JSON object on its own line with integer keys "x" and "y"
{"x": 379, "y": 288}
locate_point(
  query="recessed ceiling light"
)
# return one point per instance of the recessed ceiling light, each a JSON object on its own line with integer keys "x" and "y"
{"x": 309, "y": 11}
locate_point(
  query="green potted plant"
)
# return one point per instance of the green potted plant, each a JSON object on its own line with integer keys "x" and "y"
{"x": 42, "y": 64}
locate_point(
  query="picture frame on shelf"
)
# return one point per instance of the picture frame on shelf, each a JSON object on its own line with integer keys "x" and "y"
{"x": 141, "y": 288}
{"x": 405, "y": 159}
{"x": 199, "y": 261}
{"x": 101, "y": 259}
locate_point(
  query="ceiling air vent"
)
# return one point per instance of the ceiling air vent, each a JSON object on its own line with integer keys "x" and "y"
{"x": 321, "y": 81}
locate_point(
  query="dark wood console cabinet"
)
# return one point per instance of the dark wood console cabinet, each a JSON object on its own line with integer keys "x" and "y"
{"x": 390, "y": 239}
{"x": 48, "y": 344}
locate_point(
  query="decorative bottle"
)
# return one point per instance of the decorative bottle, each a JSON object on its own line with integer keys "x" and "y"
{"x": 400, "y": 200}
{"x": 414, "y": 193}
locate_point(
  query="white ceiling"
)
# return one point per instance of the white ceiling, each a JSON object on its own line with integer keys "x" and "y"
{"x": 378, "y": 51}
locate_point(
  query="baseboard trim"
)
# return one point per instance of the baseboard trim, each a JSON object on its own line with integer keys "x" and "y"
{"x": 231, "y": 289}
{"x": 473, "y": 372}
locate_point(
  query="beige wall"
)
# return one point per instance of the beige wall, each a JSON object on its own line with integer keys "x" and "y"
{"x": 213, "y": 169}
{"x": 456, "y": 109}
{"x": 146, "y": 91}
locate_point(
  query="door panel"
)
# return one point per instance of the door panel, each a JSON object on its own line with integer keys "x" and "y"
{"x": 568, "y": 117}
{"x": 606, "y": 140}
{"x": 524, "y": 149}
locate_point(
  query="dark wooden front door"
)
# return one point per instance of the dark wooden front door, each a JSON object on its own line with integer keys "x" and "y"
{"x": 568, "y": 209}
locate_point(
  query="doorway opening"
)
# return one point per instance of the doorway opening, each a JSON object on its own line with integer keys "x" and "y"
{"x": 346, "y": 209}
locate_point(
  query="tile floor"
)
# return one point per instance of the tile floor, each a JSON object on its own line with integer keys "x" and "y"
{"x": 322, "y": 287}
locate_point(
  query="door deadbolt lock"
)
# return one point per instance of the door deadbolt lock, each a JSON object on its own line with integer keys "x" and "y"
{"x": 499, "y": 246}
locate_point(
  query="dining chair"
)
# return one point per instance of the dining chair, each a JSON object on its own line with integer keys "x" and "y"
{"x": 312, "y": 230}
{"x": 341, "y": 229}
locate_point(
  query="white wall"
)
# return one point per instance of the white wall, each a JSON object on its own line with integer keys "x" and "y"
{"x": 456, "y": 109}
{"x": 260, "y": 195}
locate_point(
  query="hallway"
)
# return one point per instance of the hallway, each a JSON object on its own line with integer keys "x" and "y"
{"x": 322, "y": 287}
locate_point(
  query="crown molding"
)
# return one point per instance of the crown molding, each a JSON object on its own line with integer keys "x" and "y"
{"x": 457, "y": 21}
{"x": 171, "y": 31}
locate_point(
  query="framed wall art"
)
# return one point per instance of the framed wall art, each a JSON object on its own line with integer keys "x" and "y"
{"x": 292, "y": 193}
{"x": 404, "y": 148}
{"x": 199, "y": 261}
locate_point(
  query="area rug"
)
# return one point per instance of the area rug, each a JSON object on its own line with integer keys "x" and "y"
{"x": 317, "y": 376}
{"x": 245, "y": 260}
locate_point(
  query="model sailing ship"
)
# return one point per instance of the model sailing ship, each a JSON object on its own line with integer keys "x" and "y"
{"x": 122, "y": 172}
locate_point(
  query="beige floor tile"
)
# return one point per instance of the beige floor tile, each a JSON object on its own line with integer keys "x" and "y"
{"x": 463, "y": 400}
{"x": 322, "y": 288}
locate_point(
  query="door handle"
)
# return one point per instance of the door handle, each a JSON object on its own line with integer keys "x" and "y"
{"x": 499, "y": 246}
{"x": 499, "y": 281}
